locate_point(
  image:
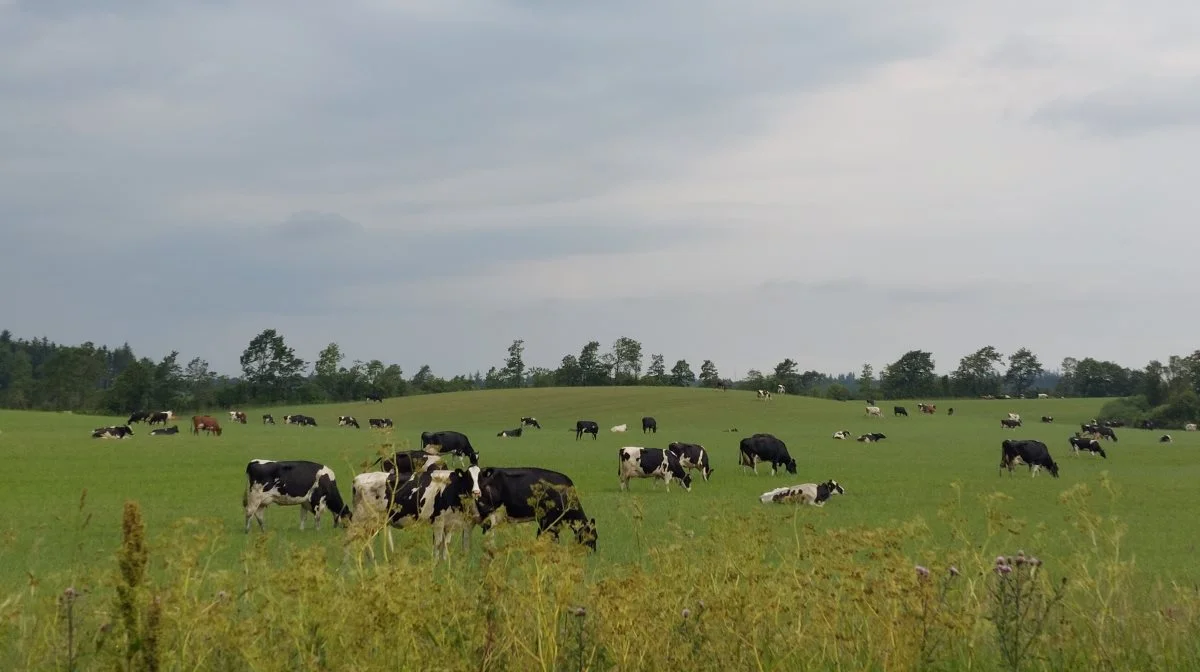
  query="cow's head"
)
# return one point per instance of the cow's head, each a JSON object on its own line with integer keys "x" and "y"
{"x": 791, "y": 465}
{"x": 685, "y": 479}
{"x": 1053, "y": 468}
{"x": 834, "y": 487}
{"x": 474, "y": 475}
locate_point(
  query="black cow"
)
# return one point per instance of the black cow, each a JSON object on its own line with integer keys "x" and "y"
{"x": 442, "y": 497}
{"x": 164, "y": 431}
{"x": 951, "y": 411}
{"x": 1047, "y": 418}
{"x": 765, "y": 448}
{"x": 871, "y": 438}
{"x": 649, "y": 424}
{"x": 268, "y": 419}
{"x": 379, "y": 423}
{"x": 1009, "y": 423}
{"x": 586, "y": 427}
{"x": 113, "y": 432}
{"x": 637, "y": 462}
{"x": 1148, "y": 424}
{"x": 311, "y": 485}
{"x": 1080, "y": 442}
{"x": 375, "y": 397}
{"x": 515, "y": 432}
{"x": 1106, "y": 433}
{"x": 348, "y": 421}
{"x": 899, "y": 410}
{"x": 138, "y": 416}
{"x": 410, "y": 462}
{"x": 1029, "y": 452}
{"x": 451, "y": 442}
{"x": 159, "y": 418}
{"x": 530, "y": 422}
{"x": 692, "y": 456}
{"x": 1165, "y": 438}
{"x": 524, "y": 494}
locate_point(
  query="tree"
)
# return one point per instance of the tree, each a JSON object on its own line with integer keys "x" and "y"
{"x": 708, "y": 374}
{"x": 628, "y": 353}
{"x": 1023, "y": 369}
{"x": 423, "y": 379}
{"x": 837, "y": 392}
{"x": 785, "y": 374}
{"x": 1066, "y": 384}
{"x": 327, "y": 368}
{"x": 591, "y": 367}
{"x": 514, "y": 366}
{"x": 909, "y": 377}
{"x": 657, "y": 371}
{"x": 569, "y": 373}
{"x": 168, "y": 383}
{"x": 681, "y": 374}
{"x": 131, "y": 391}
{"x": 976, "y": 374}
{"x": 270, "y": 366}
{"x": 866, "y": 382}
{"x": 1154, "y": 385}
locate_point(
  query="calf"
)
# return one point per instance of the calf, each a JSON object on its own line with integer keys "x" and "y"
{"x": 1009, "y": 423}
{"x": 113, "y": 432}
{"x": 619, "y": 428}
{"x": 379, "y": 423}
{"x": 525, "y": 494}
{"x": 1047, "y": 418}
{"x": 586, "y": 427}
{"x": 1080, "y": 442}
{"x": 443, "y": 498}
{"x": 165, "y": 431}
{"x": 692, "y": 456}
{"x": 1029, "y": 452}
{"x": 875, "y": 411}
{"x": 842, "y": 434}
{"x": 530, "y": 422}
{"x": 806, "y": 493}
{"x": 348, "y": 421}
{"x": 899, "y": 410}
{"x": 637, "y": 462}
{"x": 649, "y": 424}
{"x": 454, "y": 443}
{"x": 505, "y": 433}
{"x": 765, "y": 448}
{"x": 268, "y": 419}
{"x": 871, "y": 438}
{"x": 311, "y": 485}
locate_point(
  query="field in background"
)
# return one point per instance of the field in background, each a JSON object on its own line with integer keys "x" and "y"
{"x": 50, "y": 459}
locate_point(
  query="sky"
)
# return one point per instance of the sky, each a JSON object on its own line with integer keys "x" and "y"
{"x": 426, "y": 181}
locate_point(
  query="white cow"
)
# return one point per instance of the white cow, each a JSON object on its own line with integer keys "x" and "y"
{"x": 805, "y": 493}
{"x": 763, "y": 394}
{"x": 1043, "y": 395}
{"x": 1014, "y": 416}
{"x": 779, "y": 389}
{"x": 369, "y": 502}
{"x": 842, "y": 434}
{"x": 619, "y": 428}
{"x": 1190, "y": 427}
{"x": 875, "y": 411}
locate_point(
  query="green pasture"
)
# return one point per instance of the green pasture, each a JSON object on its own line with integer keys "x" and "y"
{"x": 49, "y": 460}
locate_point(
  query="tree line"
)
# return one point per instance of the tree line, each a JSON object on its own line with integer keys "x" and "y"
{"x": 40, "y": 374}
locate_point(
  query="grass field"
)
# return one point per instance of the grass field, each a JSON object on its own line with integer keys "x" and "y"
{"x": 50, "y": 459}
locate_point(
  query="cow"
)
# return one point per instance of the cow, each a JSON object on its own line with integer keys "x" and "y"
{"x": 239, "y": 416}
{"x": 302, "y": 420}
{"x": 1009, "y": 423}
{"x": 348, "y": 421}
{"x": 1047, "y": 418}
{"x": 207, "y": 423}
{"x": 174, "y": 429}
{"x": 1107, "y": 433}
{"x": 899, "y": 410}
{"x": 311, "y": 485}
{"x": 443, "y": 498}
{"x": 529, "y": 421}
{"x": 375, "y": 397}
{"x": 806, "y": 493}
{"x": 379, "y": 423}
{"x": 1080, "y": 442}
{"x": 928, "y": 409}
{"x": 159, "y": 418}
{"x": 454, "y": 443}
{"x": 763, "y": 394}
{"x": 692, "y": 456}
{"x": 950, "y": 411}
{"x": 138, "y": 416}
{"x": 531, "y": 494}
{"x": 637, "y": 462}
{"x": 1014, "y": 416}
{"x": 1149, "y": 424}
{"x": 410, "y": 462}
{"x": 368, "y": 496}
{"x": 505, "y": 433}
{"x": 873, "y": 437}
{"x": 649, "y": 424}
{"x": 1029, "y": 452}
{"x": 779, "y": 389}
{"x": 586, "y": 427}
{"x": 268, "y": 419}
{"x": 619, "y": 428}
{"x": 113, "y": 432}
{"x": 842, "y": 434}
{"x": 1189, "y": 427}
{"x": 874, "y": 411}
{"x": 1043, "y": 395}
{"x": 765, "y": 448}
{"x": 1165, "y": 438}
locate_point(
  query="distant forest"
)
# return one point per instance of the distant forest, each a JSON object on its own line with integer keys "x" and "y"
{"x": 42, "y": 375}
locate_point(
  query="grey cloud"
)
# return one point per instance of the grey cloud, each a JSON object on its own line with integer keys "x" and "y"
{"x": 1140, "y": 106}
{"x": 1024, "y": 51}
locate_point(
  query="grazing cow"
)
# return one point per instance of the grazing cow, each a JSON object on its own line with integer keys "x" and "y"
{"x": 368, "y": 494}
{"x": 174, "y": 429}
{"x": 1029, "y": 452}
{"x": 586, "y": 427}
{"x": 113, "y": 432}
{"x": 454, "y": 443}
{"x": 806, "y": 493}
{"x": 1009, "y": 423}
{"x": 870, "y": 402}
{"x": 636, "y": 462}
{"x": 842, "y": 434}
{"x": 268, "y": 419}
{"x": 1106, "y": 433}
{"x": 649, "y": 424}
{"x": 875, "y": 411}
{"x": 765, "y": 448}
{"x": 1080, "y": 442}
{"x": 159, "y": 418}
{"x": 375, "y": 397}
{"x": 928, "y": 409}
{"x": 138, "y": 416}
{"x": 311, "y": 485}
{"x": 1189, "y": 427}
{"x": 238, "y": 416}
{"x": 779, "y": 389}
{"x": 302, "y": 420}
{"x": 1165, "y": 438}
{"x": 505, "y": 433}
{"x": 207, "y": 423}
{"x": 899, "y": 410}
{"x": 871, "y": 438}
{"x": 1047, "y": 418}
{"x": 950, "y": 411}
{"x": 1043, "y": 395}
{"x": 525, "y": 494}
{"x": 763, "y": 394}
{"x": 529, "y": 421}
{"x": 619, "y": 428}
{"x": 443, "y": 498}
{"x": 1014, "y": 416}
{"x": 379, "y": 423}
{"x": 410, "y": 462}
{"x": 348, "y": 421}
{"x": 692, "y": 456}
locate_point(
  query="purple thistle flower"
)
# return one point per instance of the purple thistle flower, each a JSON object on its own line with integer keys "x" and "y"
{"x": 999, "y": 560}
{"x": 922, "y": 572}
{"x": 687, "y": 612}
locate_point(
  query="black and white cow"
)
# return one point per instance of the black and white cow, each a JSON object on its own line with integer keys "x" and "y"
{"x": 302, "y": 420}
{"x": 1033, "y": 453}
{"x": 164, "y": 431}
{"x": 348, "y": 421}
{"x": 529, "y": 421}
{"x": 1189, "y": 427}
{"x": 638, "y": 462}
{"x": 268, "y": 419}
{"x": 841, "y": 434}
{"x": 1106, "y": 433}
{"x": 310, "y": 485}
{"x": 506, "y": 433}
{"x": 649, "y": 424}
{"x": 765, "y": 448}
{"x": 692, "y": 456}
{"x": 138, "y": 416}
{"x": 1009, "y": 423}
{"x": 113, "y": 432}
{"x": 899, "y": 410}
{"x": 1165, "y": 438}
{"x": 525, "y": 494}
{"x": 443, "y": 498}
{"x": 587, "y": 427}
{"x": 763, "y": 394}
{"x": 454, "y": 443}
{"x": 1047, "y": 418}
{"x": 410, "y": 462}
{"x": 805, "y": 493}
{"x": 368, "y": 494}
{"x": 871, "y": 438}
{"x": 1086, "y": 443}
{"x": 375, "y": 397}
{"x": 379, "y": 423}
{"x": 159, "y": 418}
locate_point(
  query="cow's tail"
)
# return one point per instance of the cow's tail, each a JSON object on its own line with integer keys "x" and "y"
{"x": 377, "y": 460}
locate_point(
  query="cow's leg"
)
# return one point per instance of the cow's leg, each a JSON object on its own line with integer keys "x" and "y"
{"x": 303, "y": 516}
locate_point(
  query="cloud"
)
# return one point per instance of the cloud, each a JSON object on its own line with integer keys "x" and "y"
{"x": 1139, "y": 106}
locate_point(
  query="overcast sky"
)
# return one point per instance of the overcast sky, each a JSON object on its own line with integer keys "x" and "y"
{"x": 425, "y": 181}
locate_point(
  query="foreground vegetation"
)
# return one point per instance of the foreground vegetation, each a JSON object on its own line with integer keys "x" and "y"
{"x": 150, "y": 568}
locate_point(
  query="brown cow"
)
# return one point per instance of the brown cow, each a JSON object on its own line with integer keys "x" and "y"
{"x": 207, "y": 423}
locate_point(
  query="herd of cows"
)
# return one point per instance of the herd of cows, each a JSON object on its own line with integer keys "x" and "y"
{"x": 417, "y": 486}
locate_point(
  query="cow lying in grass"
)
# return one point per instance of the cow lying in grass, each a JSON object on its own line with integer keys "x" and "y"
{"x": 805, "y": 493}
